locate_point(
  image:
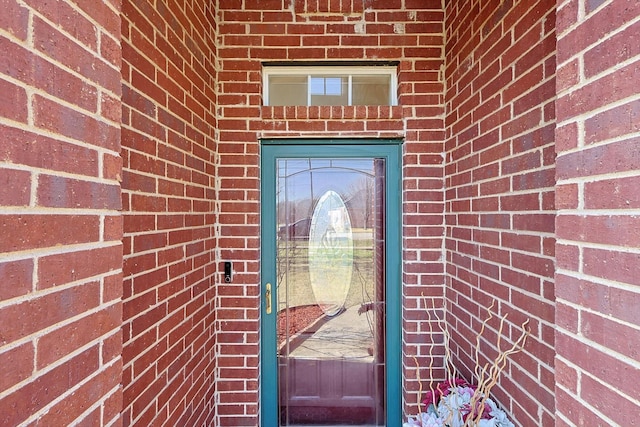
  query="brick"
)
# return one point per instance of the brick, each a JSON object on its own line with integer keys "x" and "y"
{"x": 619, "y": 157}
{"x": 567, "y": 257}
{"x": 60, "y": 342}
{"x": 567, "y": 318}
{"x": 595, "y": 27}
{"x": 72, "y": 21}
{"x": 76, "y": 58}
{"x": 110, "y": 107}
{"x": 610, "y": 51}
{"x": 538, "y": 138}
{"x": 613, "y": 123}
{"x": 615, "y": 408}
{"x": 532, "y": 264}
{"x": 535, "y": 98}
{"x": 146, "y": 125}
{"x": 243, "y": 141}
{"x": 59, "y": 192}
{"x": 527, "y": 161}
{"x": 17, "y": 278}
{"x": 112, "y": 288}
{"x": 33, "y": 315}
{"x": 24, "y": 232}
{"x": 112, "y": 406}
{"x": 535, "y": 308}
{"x": 611, "y": 301}
{"x": 13, "y": 104}
{"x": 599, "y": 93}
{"x": 535, "y": 222}
{"x": 140, "y": 263}
{"x": 17, "y": 406}
{"x": 137, "y": 101}
{"x": 149, "y": 88}
{"x": 566, "y": 16}
{"x": 612, "y": 335}
{"x": 617, "y": 193}
{"x": 566, "y": 137}
{"x": 142, "y": 203}
{"x": 15, "y": 187}
{"x": 15, "y": 20}
{"x": 538, "y": 179}
{"x": 522, "y": 242}
{"x": 566, "y": 404}
{"x": 542, "y": 49}
{"x": 567, "y": 75}
{"x": 112, "y": 228}
{"x": 18, "y": 365}
{"x": 20, "y": 64}
{"x": 111, "y": 51}
{"x": 30, "y": 149}
{"x": 611, "y": 264}
{"x": 149, "y": 319}
{"x": 591, "y": 5}
{"x": 138, "y": 223}
{"x": 57, "y": 269}
{"x": 566, "y": 376}
{"x": 600, "y": 229}
{"x": 522, "y": 123}
{"x": 73, "y": 124}
{"x": 150, "y": 356}
{"x": 137, "y": 182}
{"x": 72, "y": 92}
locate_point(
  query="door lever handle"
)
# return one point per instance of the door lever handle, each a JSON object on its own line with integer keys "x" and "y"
{"x": 267, "y": 297}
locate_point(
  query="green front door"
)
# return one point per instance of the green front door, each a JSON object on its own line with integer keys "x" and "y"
{"x": 330, "y": 342}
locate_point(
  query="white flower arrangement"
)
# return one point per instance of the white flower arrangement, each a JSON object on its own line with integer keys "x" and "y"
{"x": 454, "y": 410}
{"x": 456, "y": 403}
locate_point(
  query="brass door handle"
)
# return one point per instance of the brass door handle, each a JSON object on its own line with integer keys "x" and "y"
{"x": 267, "y": 297}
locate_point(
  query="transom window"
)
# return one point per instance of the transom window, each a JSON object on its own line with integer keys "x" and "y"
{"x": 329, "y": 85}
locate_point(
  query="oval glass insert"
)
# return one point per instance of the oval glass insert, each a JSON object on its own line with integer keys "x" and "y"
{"x": 330, "y": 253}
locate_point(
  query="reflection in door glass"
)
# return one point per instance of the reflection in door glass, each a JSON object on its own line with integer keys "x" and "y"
{"x": 330, "y": 293}
{"x": 330, "y": 253}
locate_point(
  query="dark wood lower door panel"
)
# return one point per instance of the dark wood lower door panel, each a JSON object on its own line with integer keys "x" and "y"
{"x": 329, "y": 391}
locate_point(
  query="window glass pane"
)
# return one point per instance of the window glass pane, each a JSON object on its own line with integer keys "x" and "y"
{"x": 371, "y": 90}
{"x": 330, "y": 86}
{"x": 287, "y": 90}
{"x": 326, "y": 86}
{"x": 329, "y": 90}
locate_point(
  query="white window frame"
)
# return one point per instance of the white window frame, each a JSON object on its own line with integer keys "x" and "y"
{"x": 327, "y": 70}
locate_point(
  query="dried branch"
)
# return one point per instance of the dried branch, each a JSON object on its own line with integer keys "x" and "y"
{"x": 419, "y": 403}
{"x": 485, "y": 377}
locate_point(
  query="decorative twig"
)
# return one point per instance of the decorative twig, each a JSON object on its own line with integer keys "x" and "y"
{"x": 484, "y": 324}
{"x": 486, "y": 376}
{"x": 431, "y": 347}
{"x": 485, "y": 384}
{"x": 415, "y": 359}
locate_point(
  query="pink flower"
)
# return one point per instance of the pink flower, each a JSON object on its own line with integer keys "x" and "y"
{"x": 443, "y": 389}
{"x": 466, "y": 411}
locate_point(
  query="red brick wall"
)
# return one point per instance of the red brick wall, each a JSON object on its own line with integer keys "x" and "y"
{"x": 500, "y": 75}
{"x": 60, "y": 229}
{"x": 191, "y": 118}
{"x": 277, "y": 30}
{"x": 168, "y": 183}
{"x": 598, "y": 228}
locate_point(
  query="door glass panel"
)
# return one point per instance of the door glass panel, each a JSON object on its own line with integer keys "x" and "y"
{"x": 330, "y": 291}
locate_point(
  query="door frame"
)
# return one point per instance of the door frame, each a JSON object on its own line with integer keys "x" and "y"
{"x": 388, "y": 149}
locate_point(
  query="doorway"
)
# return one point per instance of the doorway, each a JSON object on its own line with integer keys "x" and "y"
{"x": 330, "y": 341}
